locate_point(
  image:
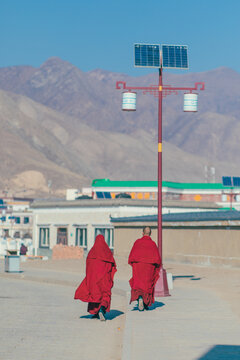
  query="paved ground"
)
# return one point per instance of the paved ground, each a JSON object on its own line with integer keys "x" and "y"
{"x": 183, "y": 327}
{"x": 41, "y": 321}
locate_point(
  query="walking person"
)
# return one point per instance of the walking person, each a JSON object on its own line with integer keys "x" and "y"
{"x": 145, "y": 261}
{"x": 96, "y": 287}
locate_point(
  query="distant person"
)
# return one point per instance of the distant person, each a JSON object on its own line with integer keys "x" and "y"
{"x": 145, "y": 261}
{"x": 23, "y": 250}
{"x": 96, "y": 287}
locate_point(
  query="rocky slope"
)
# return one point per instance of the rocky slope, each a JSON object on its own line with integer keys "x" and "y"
{"x": 63, "y": 127}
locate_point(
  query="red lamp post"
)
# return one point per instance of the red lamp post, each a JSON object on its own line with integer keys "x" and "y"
{"x": 160, "y": 91}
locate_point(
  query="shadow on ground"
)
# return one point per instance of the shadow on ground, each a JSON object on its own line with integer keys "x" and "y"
{"x": 222, "y": 352}
{"x": 112, "y": 314}
{"x": 154, "y": 306}
{"x": 190, "y": 277}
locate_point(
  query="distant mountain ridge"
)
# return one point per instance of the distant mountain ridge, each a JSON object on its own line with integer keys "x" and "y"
{"x": 73, "y": 125}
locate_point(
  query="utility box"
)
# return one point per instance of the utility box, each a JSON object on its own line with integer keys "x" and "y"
{"x": 12, "y": 262}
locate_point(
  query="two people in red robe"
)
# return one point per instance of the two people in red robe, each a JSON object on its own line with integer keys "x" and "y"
{"x": 101, "y": 267}
{"x": 145, "y": 261}
{"x": 96, "y": 287}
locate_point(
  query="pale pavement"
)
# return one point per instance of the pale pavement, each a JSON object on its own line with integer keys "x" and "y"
{"x": 41, "y": 321}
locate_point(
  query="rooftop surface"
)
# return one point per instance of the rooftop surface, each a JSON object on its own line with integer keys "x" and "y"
{"x": 120, "y": 202}
{"x": 219, "y": 215}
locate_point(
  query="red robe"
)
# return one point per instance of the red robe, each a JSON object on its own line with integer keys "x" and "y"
{"x": 145, "y": 261}
{"x": 100, "y": 269}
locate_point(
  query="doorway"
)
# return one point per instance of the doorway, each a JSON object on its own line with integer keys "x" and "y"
{"x": 62, "y": 236}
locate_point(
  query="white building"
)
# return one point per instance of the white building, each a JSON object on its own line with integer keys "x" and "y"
{"x": 78, "y": 222}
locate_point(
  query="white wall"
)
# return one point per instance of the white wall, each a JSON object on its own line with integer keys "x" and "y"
{"x": 92, "y": 217}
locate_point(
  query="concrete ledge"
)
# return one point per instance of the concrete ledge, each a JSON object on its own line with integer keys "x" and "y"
{"x": 205, "y": 260}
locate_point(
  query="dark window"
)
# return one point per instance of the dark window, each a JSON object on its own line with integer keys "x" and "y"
{"x": 6, "y": 232}
{"x": 62, "y": 236}
{"x": 26, "y": 220}
{"x": 17, "y": 220}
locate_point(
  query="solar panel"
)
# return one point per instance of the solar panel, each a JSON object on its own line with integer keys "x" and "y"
{"x": 236, "y": 181}
{"x": 147, "y": 55}
{"x": 175, "y": 56}
{"x": 227, "y": 181}
{"x": 99, "y": 195}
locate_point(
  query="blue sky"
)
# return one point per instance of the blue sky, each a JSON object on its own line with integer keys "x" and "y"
{"x": 100, "y": 34}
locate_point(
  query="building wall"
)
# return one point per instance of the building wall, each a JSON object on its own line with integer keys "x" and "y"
{"x": 202, "y": 197}
{"x": 203, "y": 246}
{"x": 88, "y": 217}
{"x": 125, "y": 236}
{"x": 9, "y": 224}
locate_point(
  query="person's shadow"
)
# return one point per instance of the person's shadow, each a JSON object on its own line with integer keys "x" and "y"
{"x": 190, "y": 277}
{"x": 112, "y": 314}
{"x": 224, "y": 352}
{"x": 155, "y": 305}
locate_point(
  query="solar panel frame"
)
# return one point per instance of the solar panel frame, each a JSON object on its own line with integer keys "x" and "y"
{"x": 175, "y": 57}
{"x": 147, "y": 55}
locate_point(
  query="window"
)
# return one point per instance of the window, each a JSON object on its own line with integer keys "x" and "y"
{"x": 224, "y": 197}
{"x": 81, "y": 237}
{"x": 44, "y": 237}
{"x": 17, "y": 235}
{"x": 62, "y": 236}
{"x": 108, "y": 235}
{"x": 26, "y": 220}
{"x": 6, "y": 232}
{"x": 17, "y": 220}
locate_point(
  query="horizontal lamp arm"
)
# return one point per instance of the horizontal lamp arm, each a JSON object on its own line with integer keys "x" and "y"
{"x": 122, "y": 85}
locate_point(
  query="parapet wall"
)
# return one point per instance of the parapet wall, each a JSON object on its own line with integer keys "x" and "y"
{"x": 214, "y": 246}
{"x": 218, "y": 247}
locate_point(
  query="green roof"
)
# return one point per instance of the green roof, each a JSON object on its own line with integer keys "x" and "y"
{"x": 170, "y": 184}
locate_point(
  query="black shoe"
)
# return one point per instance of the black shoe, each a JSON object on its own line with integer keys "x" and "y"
{"x": 95, "y": 316}
{"x": 140, "y": 304}
{"x": 101, "y": 313}
{"x": 146, "y": 307}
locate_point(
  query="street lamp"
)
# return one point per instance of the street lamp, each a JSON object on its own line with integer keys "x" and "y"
{"x": 156, "y": 56}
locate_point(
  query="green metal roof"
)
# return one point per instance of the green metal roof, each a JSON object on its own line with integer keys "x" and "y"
{"x": 170, "y": 184}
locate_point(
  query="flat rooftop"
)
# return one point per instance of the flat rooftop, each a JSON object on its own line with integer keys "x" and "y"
{"x": 37, "y": 204}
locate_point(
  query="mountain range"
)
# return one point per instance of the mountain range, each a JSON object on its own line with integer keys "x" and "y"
{"x": 62, "y": 127}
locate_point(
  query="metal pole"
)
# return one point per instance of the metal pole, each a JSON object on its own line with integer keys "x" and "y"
{"x": 35, "y": 234}
{"x": 160, "y": 164}
{"x": 161, "y": 287}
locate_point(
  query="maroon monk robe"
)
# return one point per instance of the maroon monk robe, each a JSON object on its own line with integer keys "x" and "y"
{"x": 100, "y": 269}
{"x": 145, "y": 261}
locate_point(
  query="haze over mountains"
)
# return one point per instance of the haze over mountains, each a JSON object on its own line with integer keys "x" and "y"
{"x": 62, "y": 127}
